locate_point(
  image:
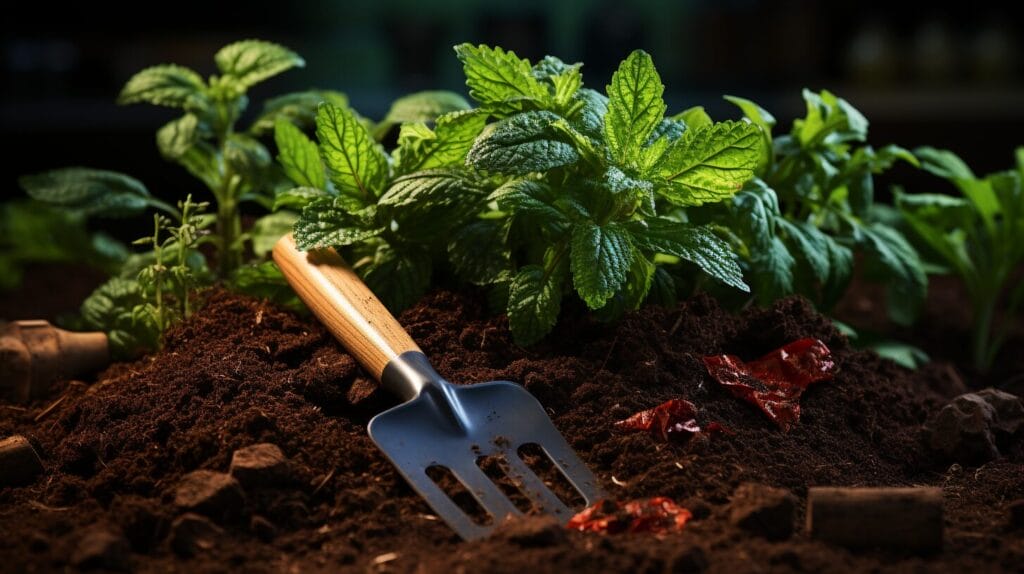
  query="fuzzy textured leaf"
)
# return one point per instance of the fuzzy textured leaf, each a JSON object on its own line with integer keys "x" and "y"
{"x": 535, "y": 299}
{"x": 697, "y": 244}
{"x": 398, "y": 278}
{"x": 89, "y": 191}
{"x": 298, "y": 155}
{"x": 178, "y": 136}
{"x": 167, "y": 85}
{"x": 445, "y": 146}
{"x": 635, "y": 107}
{"x": 327, "y": 223}
{"x": 600, "y": 258}
{"x": 500, "y": 81}
{"x": 709, "y": 164}
{"x": 358, "y": 166}
{"x": 522, "y": 144}
{"x": 252, "y": 61}
{"x": 424, "y": 107}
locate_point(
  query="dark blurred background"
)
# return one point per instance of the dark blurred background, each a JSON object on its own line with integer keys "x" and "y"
{"x": 947, "y": 76}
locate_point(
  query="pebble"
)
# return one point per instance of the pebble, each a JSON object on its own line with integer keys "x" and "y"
{"x": 259, "y": 465}
{"x": 214, "y": 494}
{"x": 967, "y": 430}
{"x": 19, "y": 461}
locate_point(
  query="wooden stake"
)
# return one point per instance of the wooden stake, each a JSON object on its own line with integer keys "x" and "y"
{"x": 899, "y": 519}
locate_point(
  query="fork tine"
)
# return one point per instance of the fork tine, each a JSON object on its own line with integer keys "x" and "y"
{"x": 485, "y": 491}
{"x": 533, "y": 487}
{"x": 577, "y": 473}
{"x": 444, "y": 506}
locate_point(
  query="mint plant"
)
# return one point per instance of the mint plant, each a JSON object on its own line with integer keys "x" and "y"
{"x": 233, "y": 164}
{"x": 799, "y": 223}
{"x": 978, "y": 236}
{"x": 566, "y": 189}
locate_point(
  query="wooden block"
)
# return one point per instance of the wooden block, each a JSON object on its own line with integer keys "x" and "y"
{"x": 899, "y": 519}
{"x": 19, "y": 462}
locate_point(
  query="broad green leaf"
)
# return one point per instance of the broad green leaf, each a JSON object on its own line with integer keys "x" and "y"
{"x": 709, "y": 164}
{"x": 550, "y": 66}
{"x": 298, "y": 156}
{"x": 600, "y": 258}
{"x": 534, "y": 300}
{"x": 697, "y": 244}
{"x": 298, "y": 108}
{"x": 421, "y": 148}
{"x": 500, "y": 81}
{"x": 809, "y": 244}
{"x": 694, "y": 117}
{"x": 635, "y": 107}
{"x": 908, "y": 284}
{"x": 92, "y": 192}
{"x": 669, "y": 129}
{"x": 327, "y": 223}
{"x": 168, "y": 85}
{"x": 252, "y": 61}
{"x": 358, "y": 165}
{"x": 268, "y": 229}
{"x": 108, "y": 309}
{"x": 943, "y": 163}
{"x": 592, "y": 108}
{"x": 178, "y": 136}
{"x": 772, "y": 272}
{"x": 398, "y": 278}
{"x": 426, "y": 204}
{"x": 755, "y": 211}
{"x": 202, "y": 161}
{"x": 479, "y": 251}
{"x": 424, "y": 107}
{"x": 638, "y": 283}
{"x": 522, "y": 144}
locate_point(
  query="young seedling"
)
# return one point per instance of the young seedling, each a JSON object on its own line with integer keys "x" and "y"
{"x": 978, "y": 236}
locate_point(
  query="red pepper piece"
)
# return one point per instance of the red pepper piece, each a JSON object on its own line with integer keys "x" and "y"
{"x": 775, "y": 381}
{"x": 673, "y": 419}
{"x": 654, "y": 515}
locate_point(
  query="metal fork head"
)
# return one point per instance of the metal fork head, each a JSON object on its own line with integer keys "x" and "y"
{"x": 454, "y": 426}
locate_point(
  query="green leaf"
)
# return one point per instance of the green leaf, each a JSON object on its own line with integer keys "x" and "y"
{"x": 298, "y": 108}
{"x": 908, "y": 284}
{"x": 829, "y": 119}
{"x": 663, "y": 289}
{"x": 246, "y": 156}
{"x": 427, "y": 203}
{"x": 168, "y": 85}
{"x": 298, "y": 156}
{"x": 534, "y": 200}
{"x": 522, "y": 144}
{"x": 421, "y": 148}
{"x": 772, "y": 274}
{"x": 358, "y": 165}
{"x": 252, "y": 61}
{"x": 327, "y": 223}
{"x": 753, "y": 112}
{"x": 268, "y": 229}
{"x": 108, "y": 309}
{"x": 398, "y": 278}
{"x": 424, "y": 107}
{"x": 638, "y": 283}
{"x": 534, "y": 301}
{"x": 810, "y": 246}
{"x": 92, "y": 192}
{"x": 943, "y": 163}
{"x": 178, "y": 136}
{"x": 600, "y": 258}
{"x": 202, "y": 161}
{"x": 697, "y": 244}
{"x": 635, "y": 107}
{"x": 479, "y": 251}
{"x": 297, "y": 198}
{"x": 709, "y": 164}
{"x": 694, "y": 117}
{"x": 501, "y": 82}
{"x": 592, "y": 108}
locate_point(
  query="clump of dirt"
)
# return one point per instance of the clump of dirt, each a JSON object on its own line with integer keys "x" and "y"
{"x": 243, "y": 372}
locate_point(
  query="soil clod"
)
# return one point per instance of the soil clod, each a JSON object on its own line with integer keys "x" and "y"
{"x": 192, "y": 534}
{"x": 101, "y": 547}
{"x": 19, "y": 461}
{"x": 969, "y": 429}
{"x": 763, "y": 510}
{"x": 259, "y": 465}
{"x": 214, "y": 494}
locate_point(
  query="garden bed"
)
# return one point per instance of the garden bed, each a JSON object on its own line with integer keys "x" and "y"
{"x": 244, "y": 372}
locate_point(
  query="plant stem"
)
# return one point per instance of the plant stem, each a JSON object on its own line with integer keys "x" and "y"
{"x": 984, "y": 313}
{"x": 229, "y": 229}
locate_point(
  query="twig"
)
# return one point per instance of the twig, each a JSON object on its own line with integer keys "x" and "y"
{"x": 675, "y": 327}
{"x": 50, "y": 408}
{"x": 323, "y": 482}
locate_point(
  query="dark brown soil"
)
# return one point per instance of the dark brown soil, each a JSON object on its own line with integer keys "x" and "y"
{"x": 243, "y": 372}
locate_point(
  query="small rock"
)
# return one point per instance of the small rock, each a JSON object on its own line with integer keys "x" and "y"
{"x": 1015, "y": 513}
{"x": 103, "y": 548}
{"x": 259, "y": 465}
{"x": 192, "y": 534}
{"x": 262, "y": 528}
{"x": 968, "y": 429}
{"x": 533, "y": 531}
{"x": 19, "y": 461}
{"x": 763, "y": 510}
{"x": 214, "y": 494}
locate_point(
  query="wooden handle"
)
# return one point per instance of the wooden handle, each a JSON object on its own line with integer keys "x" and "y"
{"x": 342, "y": 302}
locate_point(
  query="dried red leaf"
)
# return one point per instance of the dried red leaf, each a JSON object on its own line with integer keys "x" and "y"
{"x": 654, "y": 515}
{"x": 673, "y": 419}
{"x": 775, "y": 381}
